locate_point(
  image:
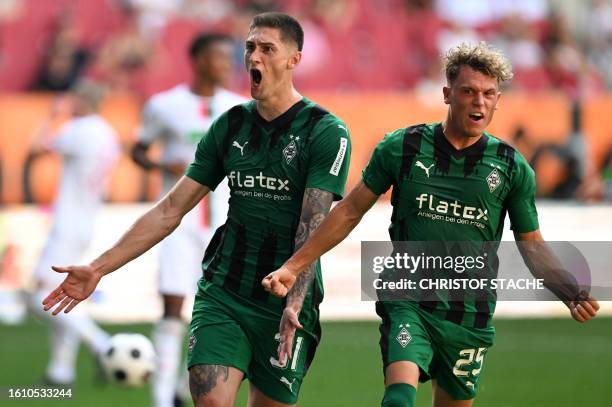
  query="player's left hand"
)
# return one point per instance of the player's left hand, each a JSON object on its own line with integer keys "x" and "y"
{"x": 585, "y": 309}
{"x": 80, "y": 283}
{"x": 279, "y": 282}
{"x": 288, "y": 325}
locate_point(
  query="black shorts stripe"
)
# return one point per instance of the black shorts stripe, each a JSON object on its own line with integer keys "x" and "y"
{"x": 317, "y": 293}
{"x": 384, "y": 329}
{"x": 233, "y": 278}
{"x": 265, "y": 265}
{"x": 316, "y": 330}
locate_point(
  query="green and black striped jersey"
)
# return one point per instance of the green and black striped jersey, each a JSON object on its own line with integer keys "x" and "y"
{"x": 447, "y": 195}
{"x": 268, "y": 165}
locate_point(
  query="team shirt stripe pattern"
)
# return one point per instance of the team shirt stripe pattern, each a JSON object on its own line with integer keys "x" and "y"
{"x": 268, "y": 165}
{"x": 447, "y": 195}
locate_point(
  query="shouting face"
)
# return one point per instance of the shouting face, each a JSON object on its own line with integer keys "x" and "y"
{"x": 472, "y": 98}
{"x": 269, "y": 61}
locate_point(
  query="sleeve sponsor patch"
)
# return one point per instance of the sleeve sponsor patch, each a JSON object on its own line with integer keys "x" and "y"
{"x": 335, "y": 168}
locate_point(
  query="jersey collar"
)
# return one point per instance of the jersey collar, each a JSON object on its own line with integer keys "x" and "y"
{"x": 441, "y": 142}
{"x": 281, "y": 121}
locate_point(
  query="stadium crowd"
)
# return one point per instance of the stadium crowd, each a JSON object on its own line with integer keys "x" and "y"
{"x": 138, "y": 45}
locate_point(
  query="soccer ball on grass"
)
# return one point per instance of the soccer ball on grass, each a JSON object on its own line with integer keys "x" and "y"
{"x": 129, "y": 360}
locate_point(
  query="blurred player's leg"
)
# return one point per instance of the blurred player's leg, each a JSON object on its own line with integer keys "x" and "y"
{"x": 78, "y": 323}
{"x": 182, "y": 386}
{"x": 180, "y": 256}
{"x": 64, "y": 328}
{"x": 168, "y": 339}
{"x": 63, "y": 345}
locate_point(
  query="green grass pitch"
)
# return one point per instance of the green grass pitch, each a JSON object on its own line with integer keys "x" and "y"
{"x": 538, "y": 362}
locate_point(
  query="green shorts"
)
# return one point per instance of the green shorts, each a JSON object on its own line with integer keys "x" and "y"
{"x": 451, "y": 354}
{"x": 229, "y": 330}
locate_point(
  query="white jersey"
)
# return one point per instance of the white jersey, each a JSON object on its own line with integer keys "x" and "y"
{"x": 178, "y": 118}
{"x": 89, "y": 150}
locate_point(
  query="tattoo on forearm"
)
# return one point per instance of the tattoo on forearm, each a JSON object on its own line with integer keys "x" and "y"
{"x": 203, "y": 378}
{"x": 315, "y": 207}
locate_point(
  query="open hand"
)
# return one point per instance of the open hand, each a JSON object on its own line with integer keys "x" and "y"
{"x": 80, "y": 282}
{"x": 288, "y": 325}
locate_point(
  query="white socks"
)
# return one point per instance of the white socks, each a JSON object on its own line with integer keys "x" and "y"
{"x": 94, "y": 337}
{"x": 64, "y": 346}
{"x": 168, "y": 336}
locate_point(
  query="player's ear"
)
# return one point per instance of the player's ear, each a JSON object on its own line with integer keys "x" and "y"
{"x": 294, "y": 60}
{"x": 499, "y": 95}
{"x": 446, "y": 93}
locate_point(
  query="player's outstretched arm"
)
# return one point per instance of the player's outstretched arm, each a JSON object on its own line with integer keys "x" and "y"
{"x": 145, "y": 233}
{"x": 336, "y": 226}
{"x": 543, "y": 264}
{"x": 315, "y": 206}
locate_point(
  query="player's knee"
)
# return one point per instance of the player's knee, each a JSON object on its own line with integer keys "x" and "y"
{"x": 209, "y": 386}
{"x": 212, "y": 400}
{"x": 399, "y": 395}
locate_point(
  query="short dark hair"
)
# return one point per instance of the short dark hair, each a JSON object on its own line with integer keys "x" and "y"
{"x": 204, "y": 40}
{"x": 289, "y": 27}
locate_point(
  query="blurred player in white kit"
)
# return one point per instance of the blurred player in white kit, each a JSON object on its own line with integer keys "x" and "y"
{"x": 177, "y": 119}
{"x": 88, "y": 147}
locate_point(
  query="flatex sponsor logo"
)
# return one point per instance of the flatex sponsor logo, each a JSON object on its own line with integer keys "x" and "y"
{"x": 454, "y": 208}
{"x": 236, "y": 179}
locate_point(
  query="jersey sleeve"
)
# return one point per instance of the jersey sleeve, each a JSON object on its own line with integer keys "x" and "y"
{"x": 329, "y": 158}
{"x": 378, "y": 175}
{"x": 151, "y": 127}
{"x": 65, "y": 141}
{"x": 207, "y": 166}
{"x": 520, "y": 202}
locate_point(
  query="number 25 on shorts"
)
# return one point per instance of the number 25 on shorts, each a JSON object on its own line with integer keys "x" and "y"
{"x": 295, "y": 354}
{"x": 467, "y": 359}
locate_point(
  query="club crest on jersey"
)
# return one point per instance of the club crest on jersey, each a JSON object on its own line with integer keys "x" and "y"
{"x": 493, "y": 180}
{"x": 403, "y": 337}
{"x": 290, "y": 151}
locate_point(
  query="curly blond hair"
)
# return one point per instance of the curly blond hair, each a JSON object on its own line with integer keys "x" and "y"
{"x": 481, "y": 57}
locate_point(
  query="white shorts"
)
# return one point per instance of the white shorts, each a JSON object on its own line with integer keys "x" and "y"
{"x": 180, "y": 256}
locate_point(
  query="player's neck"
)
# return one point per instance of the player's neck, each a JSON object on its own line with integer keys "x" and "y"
{"x": 274, "y": 106}
{"x": 455, "y": 137}
{"x": 203, "y": 87}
